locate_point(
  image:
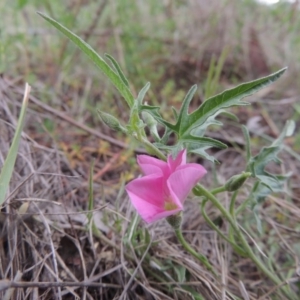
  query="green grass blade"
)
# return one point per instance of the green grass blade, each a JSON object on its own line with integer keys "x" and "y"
{"x": 10, "y": 160}
{"x": 96, "y": 59}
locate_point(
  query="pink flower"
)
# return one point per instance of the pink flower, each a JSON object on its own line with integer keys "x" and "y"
{"x": 165, "y": 186}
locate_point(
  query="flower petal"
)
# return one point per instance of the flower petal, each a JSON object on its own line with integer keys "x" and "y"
{"x": 163, "y": 190}
{"x": 183, "y": 180}
{"x": 152, "y": 213}
{"x": 152, "y": 165}
{"x": 180, "y": 160}
{"x": 149, "y": 188}
{"x": 155, "y": 217}
{"x": 147, "y": 196}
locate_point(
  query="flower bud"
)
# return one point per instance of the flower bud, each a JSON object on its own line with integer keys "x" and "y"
{"x": 175, "y": 220}
{"x": 236, "y": 181}
{"x": 152, "y": 124}
{"x": 111, "y": 121}
{"x": 197, "y": 191}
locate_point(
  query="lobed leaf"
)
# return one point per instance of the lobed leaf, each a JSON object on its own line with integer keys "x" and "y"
{"x": 190, "y": 128}
{"x": 228, "y": 98}
{"x": 268, "y": 182}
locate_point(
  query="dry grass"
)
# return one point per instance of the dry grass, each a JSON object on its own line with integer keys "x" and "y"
{"x": 48, "y": 247}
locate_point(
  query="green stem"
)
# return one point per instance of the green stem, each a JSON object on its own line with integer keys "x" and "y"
{"x": 261, "y": 265}
{"x": 205, "y": 193}
{"x": 241, "y": 237}
{"x": 152, "y": 149}
{"x": 218, "y": 190}
{"x": 238, "y": 249}
{"x": 232, "y": 204}
{"x": 233, "y": 215}
{"x": 242, "y": 206}
{"x": 189, "y": 249}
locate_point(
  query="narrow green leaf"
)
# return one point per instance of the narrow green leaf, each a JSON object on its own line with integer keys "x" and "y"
{"x": 183, "y": 111}
{"x": 200, "y": 142}
{"x": 175, "y": 113}
{"x": 181, "y": 121}
{"x": 131, "y": 231}
{"x": 265, "y": 156}
{"x": 290, "y": 127}
{"x": 247, "y": 140}
{"x": 199, "y": 145}
{"x": 152, "y": 125}
{"x": 118, "y": 69}
{"x": 142, "y": 94}
{"x": 211, "y": 120}
{"x": 166, "y": 136}
{"x": 202, "y": 152}
{"x": 180, "y": 272}
{"x": 193, "y": 293}
{"x": 10, "y": 160}
{"x": 96, "y": 59}
{"x": 288, "y": 130}
{"x": 230, "y": 115}
{"x": 153, "y": 110}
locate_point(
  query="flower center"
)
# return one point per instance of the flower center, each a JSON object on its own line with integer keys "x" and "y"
{"x": 169, "y": 204}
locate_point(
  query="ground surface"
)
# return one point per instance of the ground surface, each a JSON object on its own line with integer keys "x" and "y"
{"x": 54, "y": 242}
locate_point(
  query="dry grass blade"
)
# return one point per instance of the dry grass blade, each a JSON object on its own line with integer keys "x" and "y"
{"x": 48, "y": 190}
{"x": 10, "y": 291}
{"x": 4, "y": 284}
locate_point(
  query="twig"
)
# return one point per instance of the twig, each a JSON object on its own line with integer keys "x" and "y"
{"x": 138, "y": 267}
{"x": 10, "y": 292}
{"x": 5, "y": 284}
{"x": 47, "y": 227}
{"x": 107, "y": 166}
{"x": 68, "y": 119}
{"x": 97, "y": 17}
